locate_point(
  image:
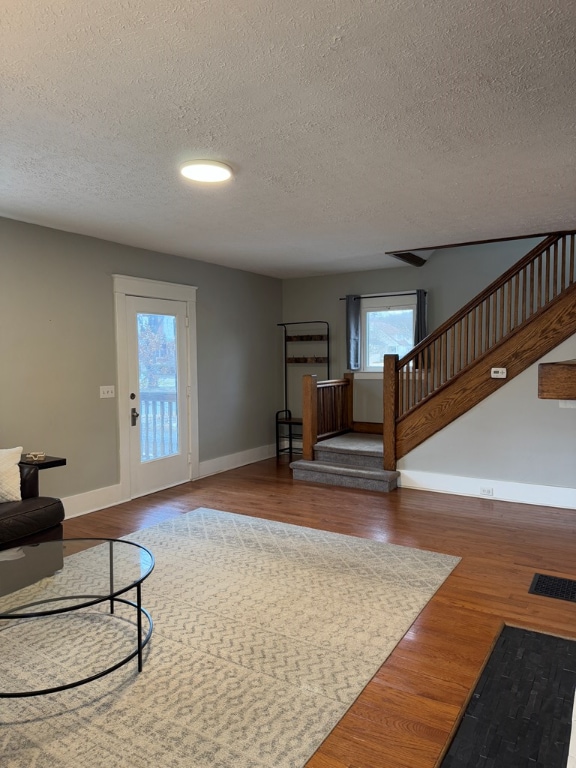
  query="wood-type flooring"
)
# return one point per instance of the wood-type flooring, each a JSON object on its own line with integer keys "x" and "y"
{"x": 406, "y": 715}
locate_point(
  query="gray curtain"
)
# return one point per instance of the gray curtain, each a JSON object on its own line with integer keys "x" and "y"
{"x": 353, "y": 332}
{"x": 421, "y": 325}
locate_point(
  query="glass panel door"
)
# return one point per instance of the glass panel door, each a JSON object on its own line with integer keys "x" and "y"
{"x": 158, "y": 382}
{"x": 158, "y": 405}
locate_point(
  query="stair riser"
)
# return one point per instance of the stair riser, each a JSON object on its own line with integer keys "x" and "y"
{"x": 382, "y": 486}
{"x": 351, "y": 459}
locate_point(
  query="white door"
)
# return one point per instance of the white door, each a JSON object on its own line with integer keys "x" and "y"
{"x": 157, "y": 403}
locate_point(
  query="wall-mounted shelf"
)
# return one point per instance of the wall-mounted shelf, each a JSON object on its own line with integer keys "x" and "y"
{"x": 557, "y": 381}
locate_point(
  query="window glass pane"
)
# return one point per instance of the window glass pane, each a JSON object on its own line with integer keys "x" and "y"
{"x": 388, "y": 332}
{"x": 158, "y": 378}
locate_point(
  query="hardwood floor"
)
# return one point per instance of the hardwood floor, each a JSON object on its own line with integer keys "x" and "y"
{"x": 407, "y": 713}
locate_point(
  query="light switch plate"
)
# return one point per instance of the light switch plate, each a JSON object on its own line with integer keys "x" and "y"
{"x": 107, "y": 391}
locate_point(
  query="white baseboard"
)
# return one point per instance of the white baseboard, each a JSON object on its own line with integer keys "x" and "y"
{"x": 90, "y": 501}
{"x": 233, "y": 460}
{"x": 523, "y": 493}
{"x": 101, "y": 498}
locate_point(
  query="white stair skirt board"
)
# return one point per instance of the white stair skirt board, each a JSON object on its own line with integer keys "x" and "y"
{"x": 503, "y": 490}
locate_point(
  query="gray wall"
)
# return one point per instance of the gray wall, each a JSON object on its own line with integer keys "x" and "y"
{"x": 57, "y": 346}
{"x": 452, "y": 277}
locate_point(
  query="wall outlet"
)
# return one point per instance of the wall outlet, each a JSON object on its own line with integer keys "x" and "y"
{"x": 107, "y": 391}
{"x": 486, "y": 491}
{"x": 498, "y": 373}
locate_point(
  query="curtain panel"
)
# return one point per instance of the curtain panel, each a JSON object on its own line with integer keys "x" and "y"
{"x": 353, "y": 332}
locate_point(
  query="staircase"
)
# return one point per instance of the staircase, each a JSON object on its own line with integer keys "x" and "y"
{"x": 516, "y": 320}
{"x": 351, "y": 460}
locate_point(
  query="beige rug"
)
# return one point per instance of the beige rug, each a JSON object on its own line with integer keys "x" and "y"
{"x": 264, "y": 636}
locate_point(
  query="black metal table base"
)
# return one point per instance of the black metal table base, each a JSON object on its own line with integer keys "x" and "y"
{"x": 138, "y": 651}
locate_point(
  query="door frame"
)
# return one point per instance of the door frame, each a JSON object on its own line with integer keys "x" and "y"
{"x": 124, "y": 286}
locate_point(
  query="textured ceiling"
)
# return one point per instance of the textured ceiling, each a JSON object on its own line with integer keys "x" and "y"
{"x": 354, "y": 127}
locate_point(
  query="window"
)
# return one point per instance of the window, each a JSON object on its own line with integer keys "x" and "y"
{"x": 388, "y": 324}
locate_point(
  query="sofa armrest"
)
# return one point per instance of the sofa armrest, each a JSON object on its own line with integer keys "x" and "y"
{"x": 29, "y": 481}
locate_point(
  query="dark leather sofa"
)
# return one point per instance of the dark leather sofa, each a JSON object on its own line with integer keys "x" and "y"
{"x": 32, "y": 520}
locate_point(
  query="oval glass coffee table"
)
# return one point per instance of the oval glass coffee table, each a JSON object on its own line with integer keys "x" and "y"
{"x": 57, "y": 577}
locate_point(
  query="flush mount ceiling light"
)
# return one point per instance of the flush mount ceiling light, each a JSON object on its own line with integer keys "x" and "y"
{"x": 208, "y": 171}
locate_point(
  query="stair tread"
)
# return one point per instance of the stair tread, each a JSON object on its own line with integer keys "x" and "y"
{"x": 356, "y": 443}
{"x": 355, "y": 452}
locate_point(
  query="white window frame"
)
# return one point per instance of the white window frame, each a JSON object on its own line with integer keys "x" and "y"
{"x": 379, "y": 304}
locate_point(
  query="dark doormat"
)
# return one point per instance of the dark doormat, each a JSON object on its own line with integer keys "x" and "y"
{"x": 520, "y": 714}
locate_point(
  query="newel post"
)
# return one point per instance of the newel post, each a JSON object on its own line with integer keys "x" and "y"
{"x": 390, "y": 411}
{"x": 309, "y": 415}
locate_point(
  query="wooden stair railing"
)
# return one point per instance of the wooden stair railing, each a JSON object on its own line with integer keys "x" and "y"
{"x": 326, "y": 410}
{"x": 494, "y": 329}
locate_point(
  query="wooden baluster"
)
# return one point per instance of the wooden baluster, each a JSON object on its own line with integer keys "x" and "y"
{"x": 414, "y": 378}
{"x": 547, "y": 286}
{"x": 409, "y": 370}
{"x": 501, "y": 313}
{"x": 563, "y": 283}
{"x": 532, "y": 307}
{"x": 480, "y": 331}
{"x": 434, "y": 373}
{"x": 465, "y": 341}
{"x": 507, "y": 287}
{"x": 524, "y": 292}
{"x": 457, "y": 363}
{"x": 572, "y": 276}
{"x": 486, "y": 331}
{"x": 555, "y": 272}
{"x": 516, "y": 301}
{"x": 477, "y": 331}
{"x": 390, "y": 410}
{"x": 540, "y": 275}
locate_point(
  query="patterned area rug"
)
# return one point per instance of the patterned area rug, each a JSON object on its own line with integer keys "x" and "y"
{"x": 264, "y": 635}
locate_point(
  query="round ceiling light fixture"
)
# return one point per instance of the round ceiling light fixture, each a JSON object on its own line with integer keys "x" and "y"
{"x": 208, "y": 171}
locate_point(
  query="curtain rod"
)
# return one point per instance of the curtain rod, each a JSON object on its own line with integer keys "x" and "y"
{"x": 381, "y": 295}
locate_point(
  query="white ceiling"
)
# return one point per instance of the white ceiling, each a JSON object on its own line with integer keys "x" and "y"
{"x": 354, "y": 127}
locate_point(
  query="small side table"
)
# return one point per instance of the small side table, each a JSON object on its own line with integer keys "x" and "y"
{"x": 46, "y": 463}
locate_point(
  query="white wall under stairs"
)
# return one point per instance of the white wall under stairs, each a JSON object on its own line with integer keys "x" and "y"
{"x": 499, "y": 445}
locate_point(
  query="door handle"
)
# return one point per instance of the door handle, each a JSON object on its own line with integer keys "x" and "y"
{"x": 133, "y": 416}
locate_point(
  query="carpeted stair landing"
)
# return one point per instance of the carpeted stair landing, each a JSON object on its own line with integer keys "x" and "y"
{"x": 353, "y": 460}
